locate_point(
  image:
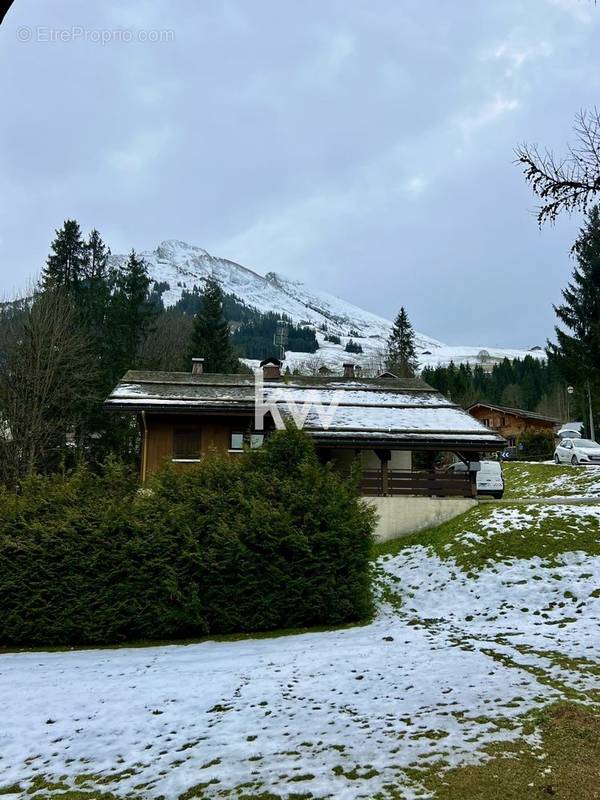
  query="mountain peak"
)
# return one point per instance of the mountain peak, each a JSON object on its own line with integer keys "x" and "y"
{"x": 176, "y": 247}
{"x": 182, "y": 266}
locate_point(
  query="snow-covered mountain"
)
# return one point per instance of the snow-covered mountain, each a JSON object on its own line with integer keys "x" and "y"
{"x": 182, "y": 266}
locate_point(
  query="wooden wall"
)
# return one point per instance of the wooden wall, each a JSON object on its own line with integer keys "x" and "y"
{"x": 215, "y": 432}
{"x": 509, "y": 425}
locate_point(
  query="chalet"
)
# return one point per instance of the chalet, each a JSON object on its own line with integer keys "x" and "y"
{"x": 395, "y": 426}
{"x": 511, "y": 422}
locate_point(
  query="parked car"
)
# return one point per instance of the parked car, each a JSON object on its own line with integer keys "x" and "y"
{"x": 577, "y": 451}
{"x": 489, "y": 478}
{"x": 571, "y": 430}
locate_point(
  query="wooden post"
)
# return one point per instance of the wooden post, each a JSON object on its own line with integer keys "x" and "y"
{"x": 468, "y": 458}
{"x": 385, "y": 457}
{"x": 144, "y": 427}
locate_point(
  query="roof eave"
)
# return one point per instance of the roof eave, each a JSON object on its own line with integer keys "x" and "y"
{"x": 117, "y": 407}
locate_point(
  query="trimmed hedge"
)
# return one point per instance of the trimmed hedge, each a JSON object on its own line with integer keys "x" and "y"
{"x": 536, "y": 445}
{"x": 268, "y": 540}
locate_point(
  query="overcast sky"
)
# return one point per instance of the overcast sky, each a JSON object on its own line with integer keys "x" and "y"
{"x": 363, "y": 147}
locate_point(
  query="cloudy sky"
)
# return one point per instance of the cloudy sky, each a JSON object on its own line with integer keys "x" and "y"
{"x": 364, "y": 147}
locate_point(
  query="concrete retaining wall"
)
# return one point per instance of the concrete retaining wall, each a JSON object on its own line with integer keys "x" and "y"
{"x": 400, "y": 516}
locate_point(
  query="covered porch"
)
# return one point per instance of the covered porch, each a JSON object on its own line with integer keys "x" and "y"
{"x": 417, "y": 483}
{"x": 387, "y": 472}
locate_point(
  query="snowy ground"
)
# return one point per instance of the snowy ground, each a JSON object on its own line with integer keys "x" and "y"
{"x": 473, "y": 631}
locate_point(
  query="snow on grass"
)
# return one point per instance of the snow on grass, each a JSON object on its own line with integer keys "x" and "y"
{"x": 497, "y": 535}
{"x": 461, "y": 650}
{"x": 550, "y": 480}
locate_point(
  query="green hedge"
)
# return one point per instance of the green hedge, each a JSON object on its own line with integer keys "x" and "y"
{"x": 268, "y": 540}
{"x": 536, "y": 445}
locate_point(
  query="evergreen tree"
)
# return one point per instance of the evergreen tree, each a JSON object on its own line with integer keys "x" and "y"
{"x": 577, "y": 351}
{"x": 96, "y": 257}
{"x": 528, "y": 383}
{"x": 401, "y": 357}
{"x": 94, "y": 290}
{"x": 211, "y": 337}
{"x": 66, "y": 263}
{"x": 130, "y": 314}
{"x": 353, "y": 347}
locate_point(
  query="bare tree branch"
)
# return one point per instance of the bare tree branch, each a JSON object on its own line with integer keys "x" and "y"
{"x": 570, "y": 183}
{"x": 44, "y": 376}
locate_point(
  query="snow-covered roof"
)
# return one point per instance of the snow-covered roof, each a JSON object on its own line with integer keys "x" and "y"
{"x": 333, "y": 409}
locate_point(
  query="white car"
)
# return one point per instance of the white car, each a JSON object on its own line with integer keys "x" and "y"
{"x": 489, "y": 477}
{"x": 571, "y": 431}
{"x": 577, "y": 451}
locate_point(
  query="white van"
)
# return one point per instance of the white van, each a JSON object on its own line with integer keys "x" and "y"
{"x": 489, "y": 477}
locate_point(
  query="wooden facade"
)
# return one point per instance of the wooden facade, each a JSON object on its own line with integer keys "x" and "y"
{"x": 184, "y": 439}
{"x": 511, "y": 422}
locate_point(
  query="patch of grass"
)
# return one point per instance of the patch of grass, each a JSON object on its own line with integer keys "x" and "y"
{"x": 42, "y": 788}
{"x": 197, "y": 791}
{"x": 356, "y": 773}
{"x": 40, "y": 784}
{"x": 549, "y": 480}
{"x": 225, "y": 637}
{"x": 104, "y": 780}
{"x": 270, "y": 796}
{"x": 566, "y": 764}
{"x": 214, "y": 763}
{"x": 490, "y": 534}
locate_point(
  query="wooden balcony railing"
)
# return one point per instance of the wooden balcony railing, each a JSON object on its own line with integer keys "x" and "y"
{"x": 376, "y": 483}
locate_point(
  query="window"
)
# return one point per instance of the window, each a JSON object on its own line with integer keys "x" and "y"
{"x": 186, "y": 444}
{"x": 486, "y": 422}
{"x": 238, "y": 440}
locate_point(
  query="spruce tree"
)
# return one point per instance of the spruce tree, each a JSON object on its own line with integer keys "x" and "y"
{"x": 96, "y": 258}
{"x": 66, "y": 262}
{"x": 401, "y": 356}
{"x": 211, "y": 338}
{"x": 130, "y": 314}
{"x": 94, "y": 290}
{"x": 577, "y": 350}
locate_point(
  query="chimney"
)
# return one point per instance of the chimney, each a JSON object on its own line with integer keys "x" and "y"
{"x": 348, "y": 370}
{"x": 197, "y": 366}
{"x": 271, "y": 368}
